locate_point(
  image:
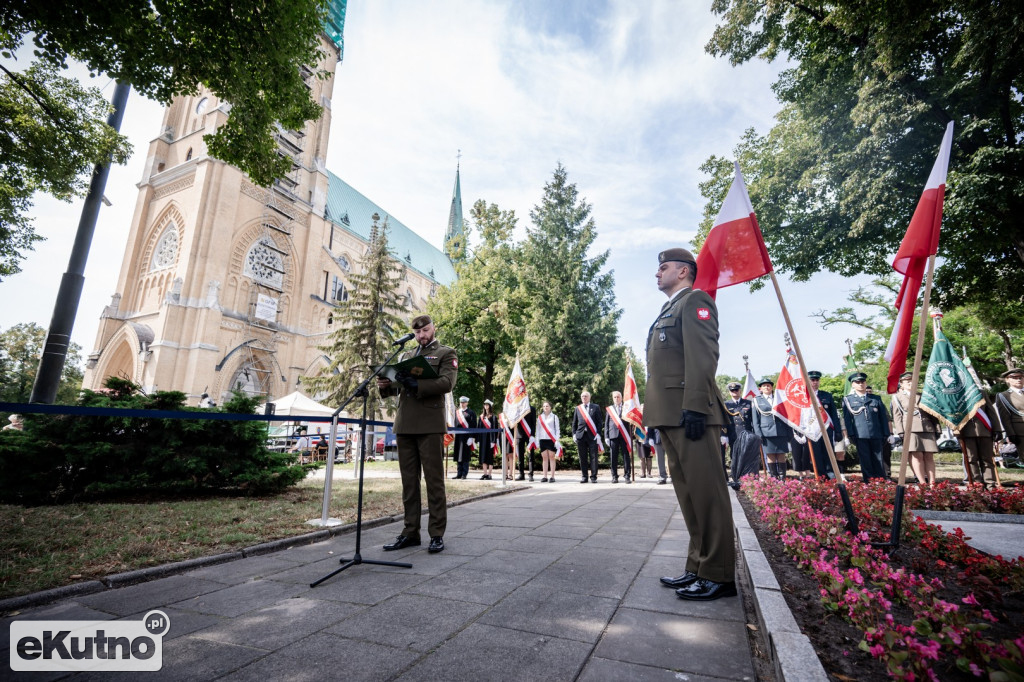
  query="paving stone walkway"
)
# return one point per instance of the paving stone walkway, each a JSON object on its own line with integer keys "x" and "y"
{"x": 558, "y": 582}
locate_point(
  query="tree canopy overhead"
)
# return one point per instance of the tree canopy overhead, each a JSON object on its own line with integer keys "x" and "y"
{"x": 870, "y": 90}
{"x": 249, "y": 54}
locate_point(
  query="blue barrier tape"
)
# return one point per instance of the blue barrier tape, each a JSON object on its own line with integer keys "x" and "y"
{"x": 75, "y": 410}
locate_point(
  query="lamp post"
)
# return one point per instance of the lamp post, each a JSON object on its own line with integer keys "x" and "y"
{"x": 58, "y": 338}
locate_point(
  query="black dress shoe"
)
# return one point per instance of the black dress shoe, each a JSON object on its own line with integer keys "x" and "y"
{"x": 583, "y": 480}
{"x": 521, "y": 478}
{"x": 629, "y": 480}
{"x": 662, "y": 481}
{"x": 684, "y": 580}
{"x": 706, "y": 590}
{"x": 615, "y": 479}
{"x": 436, "y": 545}
{"x": 530, "y": 478}
{"x": 401, "y": 542}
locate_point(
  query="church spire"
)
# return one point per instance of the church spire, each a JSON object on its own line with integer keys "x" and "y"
{"x": 455, "y": 235}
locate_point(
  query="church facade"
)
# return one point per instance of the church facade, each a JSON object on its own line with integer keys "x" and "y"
{"x": 227, "y": 285}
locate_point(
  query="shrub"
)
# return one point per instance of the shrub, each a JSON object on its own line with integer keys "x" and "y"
{"x": 58, "y": 458}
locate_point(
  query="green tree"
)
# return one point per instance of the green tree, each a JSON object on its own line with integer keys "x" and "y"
{"x": 992, "y": 349}
{"x": 476, "y": 312}
{"x": 568, "y": 339}
{"x": 20, "y": 349}
{"x": 53, "y": 113}
{"x": 365, "y": 324}
{"x": 864, "y": 105}
{"x": 52, "y": 131}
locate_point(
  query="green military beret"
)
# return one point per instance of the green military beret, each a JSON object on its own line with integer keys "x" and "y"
{"x": 421, "y": 321}
{"x": 681, "y": 255}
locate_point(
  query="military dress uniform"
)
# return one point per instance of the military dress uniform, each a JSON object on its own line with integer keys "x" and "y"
{"x": 818, "y": 447}
{"x": 1010, "y": 404}
{"x": 775, "y": 434}
{"x": 586, "y": 441}
{"x": 419, "y": 430}
{"x": 976, "y": 439}
{"x": 867, "y": 424}
{"x": 682, "y": 358}
{"x": 924, "y": 430}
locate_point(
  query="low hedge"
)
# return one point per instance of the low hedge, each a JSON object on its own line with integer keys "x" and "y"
{"x": 60, "y": 458}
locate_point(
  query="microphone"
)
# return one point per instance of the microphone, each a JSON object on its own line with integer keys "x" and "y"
{"x": 402, "y": 339}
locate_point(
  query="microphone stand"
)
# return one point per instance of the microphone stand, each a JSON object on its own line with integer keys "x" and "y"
{"x": 361, "y": 391}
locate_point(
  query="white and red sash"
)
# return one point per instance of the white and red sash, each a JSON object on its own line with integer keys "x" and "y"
{"x": 508, "y": 431}
{"x": 487, "y": 425}
{"x": 621, "y": 427}
{"x": 532, "y": 442}
{"x": 590, "y": 425}
{"x": 464, "y": 424}
{"x": 551, "y": 436}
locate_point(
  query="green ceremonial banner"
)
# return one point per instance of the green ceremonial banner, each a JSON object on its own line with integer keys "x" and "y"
{"x": 950, "y": 393}
{"x": 850, "y": 368}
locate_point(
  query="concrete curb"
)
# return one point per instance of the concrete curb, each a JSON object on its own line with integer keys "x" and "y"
{"x": 983, "y": 517}
{"x": 117, "y": 580}
{"x": 792, "y": 654}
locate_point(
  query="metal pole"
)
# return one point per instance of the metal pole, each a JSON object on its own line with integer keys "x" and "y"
{"x": 58, "y": 338}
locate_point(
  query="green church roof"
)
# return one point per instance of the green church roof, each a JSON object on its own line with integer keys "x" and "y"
{"x": 350, "y": 210}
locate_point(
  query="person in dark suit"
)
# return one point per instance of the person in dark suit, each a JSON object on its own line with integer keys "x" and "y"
{"x": 867, "y": 425}
{"x": 744, "y": 444}
{"x": 419, "y": 431}
{"x": 818, "y": 451}
{"x": 465, "y": 418}
{"x": 526, "y": 439}
{"x": 774, "y": 433}
{"x": 616, "y": 440}
{"x": 486, "y": 441}
{"x": 684, "y": 404}
{"x": 587, "y": 434}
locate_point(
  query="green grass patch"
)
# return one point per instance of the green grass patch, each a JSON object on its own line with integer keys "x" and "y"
{"x": 50, "y": 546}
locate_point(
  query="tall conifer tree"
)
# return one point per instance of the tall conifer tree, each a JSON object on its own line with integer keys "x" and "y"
{"x": 571, "y": 316}
{"x": 365, "y": 324}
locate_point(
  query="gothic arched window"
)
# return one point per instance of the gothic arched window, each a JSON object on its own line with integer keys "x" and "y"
{"x": 166, "y": 252}
{"x": 264, "y": 263}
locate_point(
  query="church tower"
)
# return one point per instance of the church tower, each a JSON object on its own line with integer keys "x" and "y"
{"x": 455, "y": 235}
{"x": 226, "y": 285}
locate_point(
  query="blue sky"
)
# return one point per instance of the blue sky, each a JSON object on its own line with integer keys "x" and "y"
{"x": 621, "y": 93}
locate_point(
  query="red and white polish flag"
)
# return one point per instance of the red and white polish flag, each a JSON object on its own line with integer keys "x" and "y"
{"x": 734, "y": 251}
{"x": 920, "y": 242}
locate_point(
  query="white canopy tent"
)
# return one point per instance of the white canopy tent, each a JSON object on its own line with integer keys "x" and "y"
{"x": 296, "y": 403}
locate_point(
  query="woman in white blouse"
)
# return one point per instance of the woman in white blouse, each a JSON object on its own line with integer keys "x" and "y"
{"x": 547, "y": 434}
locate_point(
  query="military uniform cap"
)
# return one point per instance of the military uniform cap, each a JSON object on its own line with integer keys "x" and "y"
{"x": 766, "y": 380}
{"x": 906, "y": 375}
{"x": 1012, "y": 370}
{"x": 858, "y": 376}
{"x": 463, "y": 399}
{"x": 421, "y": 321}
{"x": 680, "y": 255}
{"x": 814, "y": 374}
{"x": 733, "y": 386}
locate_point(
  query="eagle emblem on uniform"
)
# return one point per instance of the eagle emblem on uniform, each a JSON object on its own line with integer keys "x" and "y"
{"x": 703, "y": 314}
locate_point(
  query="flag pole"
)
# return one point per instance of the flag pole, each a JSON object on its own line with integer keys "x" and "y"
{"x": 851, "y": 519}
{"x": 908, "y": 417}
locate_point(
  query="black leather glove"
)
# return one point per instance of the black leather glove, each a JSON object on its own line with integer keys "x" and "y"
{"x": 694, "y": 423}
{"x": 410, "y": 382}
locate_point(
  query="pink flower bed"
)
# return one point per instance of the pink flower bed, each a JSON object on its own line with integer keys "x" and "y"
{"x": 861, "y": 584}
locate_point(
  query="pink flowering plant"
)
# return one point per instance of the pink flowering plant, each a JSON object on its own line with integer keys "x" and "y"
{"x": 905, "y": 623}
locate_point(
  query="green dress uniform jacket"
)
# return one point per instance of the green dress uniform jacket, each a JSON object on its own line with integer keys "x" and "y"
{"x": 682, "y": 358}
{"x": 423, "y": 412}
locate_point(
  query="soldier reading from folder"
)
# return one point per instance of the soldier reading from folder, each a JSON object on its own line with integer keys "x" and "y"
{"x": 419, "y": 432}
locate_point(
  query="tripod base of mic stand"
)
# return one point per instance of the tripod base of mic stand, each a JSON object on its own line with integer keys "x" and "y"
{"x": 358, "y": 559}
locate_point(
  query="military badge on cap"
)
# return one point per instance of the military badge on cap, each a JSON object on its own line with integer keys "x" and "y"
{"x": 733, "y": 386}
{"x": 814, "y": 374}
{"x": 858, "y": 376}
